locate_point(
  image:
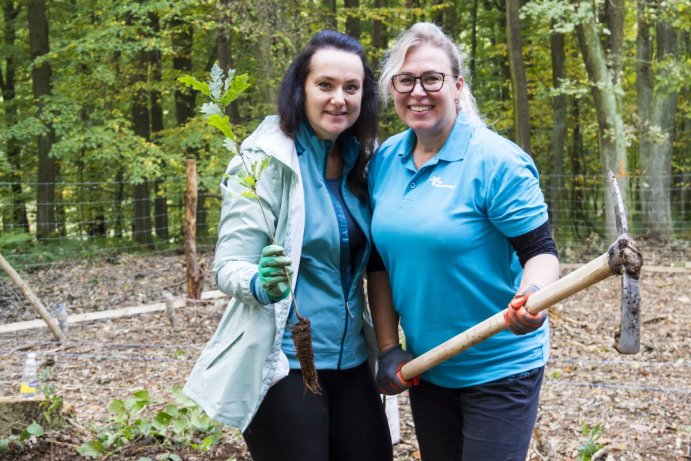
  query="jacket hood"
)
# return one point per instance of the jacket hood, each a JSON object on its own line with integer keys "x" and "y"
{"x": 269, "y": 138}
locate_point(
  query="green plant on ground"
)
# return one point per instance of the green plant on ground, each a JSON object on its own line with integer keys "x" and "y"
{"x": 51, "y": 418}
{"x": 590, "y": 446}
{"x": 139, "y": 419}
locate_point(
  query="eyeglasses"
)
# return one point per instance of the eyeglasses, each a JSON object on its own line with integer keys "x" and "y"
{"x": 430, "y": 81}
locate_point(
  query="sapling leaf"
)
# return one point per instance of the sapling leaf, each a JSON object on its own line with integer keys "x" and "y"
{"x": 231, "y": 145}
{"x": 216, "y": 82}
{"x": 222, "y": 122}
{"x": 249, "y": 194}
{"x": 192, "y": 82}
{"x": 210, "y": 108}
{"x": 237, "y": 86}
{"x": 262, "y": 166}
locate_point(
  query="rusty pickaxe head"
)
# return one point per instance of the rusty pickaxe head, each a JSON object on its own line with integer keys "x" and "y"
{"x": 625, "y": 259}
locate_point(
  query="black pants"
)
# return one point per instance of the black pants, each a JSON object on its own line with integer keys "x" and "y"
{"x": 488, "y": 422}
{"x": 345, "y": 423}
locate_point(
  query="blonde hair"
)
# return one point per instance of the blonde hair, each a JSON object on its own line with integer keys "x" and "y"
{"x": 426, "y": 33}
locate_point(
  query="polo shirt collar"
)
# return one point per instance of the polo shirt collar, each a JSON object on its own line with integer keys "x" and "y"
{"x": 455, "y": 147}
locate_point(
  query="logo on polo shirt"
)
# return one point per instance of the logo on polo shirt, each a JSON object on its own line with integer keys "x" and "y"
{"x": 437, "y": 182}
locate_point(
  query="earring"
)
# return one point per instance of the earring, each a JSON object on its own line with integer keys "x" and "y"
{"x": 456, "y": 100}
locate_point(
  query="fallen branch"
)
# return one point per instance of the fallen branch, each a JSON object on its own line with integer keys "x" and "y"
{"x": 33, "y": 299}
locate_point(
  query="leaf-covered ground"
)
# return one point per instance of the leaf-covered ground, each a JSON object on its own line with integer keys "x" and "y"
{"x": 642, "y": 403}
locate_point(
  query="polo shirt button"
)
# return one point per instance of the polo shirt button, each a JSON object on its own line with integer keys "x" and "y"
{"x": 412, "y": 185}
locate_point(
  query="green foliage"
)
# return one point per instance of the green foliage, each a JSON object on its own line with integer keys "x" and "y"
{"x": 590, "y": 446}
{"x": 181, "y": 423}
{"x": 52, "y": 419}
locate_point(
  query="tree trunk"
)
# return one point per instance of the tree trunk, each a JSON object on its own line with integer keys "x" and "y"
{"x": 559, "y": 129}
{"x": 224, "y": 50}
{"x": 160, "y": 198}
{"x": 46, "y": 220}
{"x": 18, "y": 217}
{"x": 450, "y": 20}
{"x": 577, "y": 215}
{"x": 141, "y": 122}
{"x": 610, "y": 122}
{"x": 182, "y": 40}
{"x": 378, "y": 36}
{"x": 332, "y": 9}
{"x": 352, "y": 27}
{"x": 657, "y": 109}
{"x": 473, "y": 36}
{"x": 519, "y": 84}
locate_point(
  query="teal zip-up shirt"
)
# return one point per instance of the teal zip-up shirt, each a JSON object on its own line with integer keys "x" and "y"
{"x": 329, "y": 287}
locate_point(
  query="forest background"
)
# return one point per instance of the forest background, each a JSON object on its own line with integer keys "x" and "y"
{"x": 96, "y": 129}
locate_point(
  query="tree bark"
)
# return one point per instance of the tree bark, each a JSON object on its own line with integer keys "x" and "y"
{"x": 18, "y": 218}
{"x": 46, "y": 220}
{"x": 224, "y": 50}
{"x": 450, "y": 20}
{"x": 352, "y": 27}
{"x": 332, "y": 9}
{"x": 194, "y": 271}
{"x": 141, "y": 123}
{"x": 160, "y": 198}
{"x": 657, "y": 110}
{"x": 473, "y": 36}
{"x": 519, "y": 84}
{"x": 610, "y": 122}
{"x": 378, "y": 36}
{"x": 182, "y": 39}
{"x": 559, "y": 129}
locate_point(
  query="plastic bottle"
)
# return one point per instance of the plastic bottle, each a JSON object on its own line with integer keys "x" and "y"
{"x": 29, "y": 385}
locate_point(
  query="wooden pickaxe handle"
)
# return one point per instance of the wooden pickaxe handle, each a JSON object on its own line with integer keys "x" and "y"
{"x": 574, "y": 282}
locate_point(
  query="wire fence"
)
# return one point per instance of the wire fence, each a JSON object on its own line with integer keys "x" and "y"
{"x": 102, "y": 218}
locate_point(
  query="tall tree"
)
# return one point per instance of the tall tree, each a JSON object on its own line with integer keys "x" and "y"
{"x": 657, "y": 105}
{"x": 352, "y": 27}
{"x": 604, "y": 88}
{"x": 519, "y": 84}
{"x": 160, "y": 197}
{"x": 18, "y": 216}
{"x": 559, "y": 125}
{"x": 378, "y": 35}
{"x": 46, "y": 219}
{"x": 224, "y": 49}
{"x": 141, "y": 125}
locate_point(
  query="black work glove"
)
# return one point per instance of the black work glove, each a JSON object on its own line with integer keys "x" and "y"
{"x": 389, "y": 379}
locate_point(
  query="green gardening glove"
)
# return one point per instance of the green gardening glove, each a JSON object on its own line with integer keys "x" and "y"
{"x": 274, "y": 272}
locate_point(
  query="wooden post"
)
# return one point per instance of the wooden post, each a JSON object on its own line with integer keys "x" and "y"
{"x": 194, "y": 271}
{"x": 33, "y": 299}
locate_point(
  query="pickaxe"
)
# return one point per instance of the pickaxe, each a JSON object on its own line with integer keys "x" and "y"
{"x": 623, "y": 258}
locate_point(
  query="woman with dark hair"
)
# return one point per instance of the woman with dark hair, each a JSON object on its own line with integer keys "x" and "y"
{"x": 314, "y": 197}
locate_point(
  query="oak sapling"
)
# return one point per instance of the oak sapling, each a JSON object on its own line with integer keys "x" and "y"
{"x": 222, "y": 90}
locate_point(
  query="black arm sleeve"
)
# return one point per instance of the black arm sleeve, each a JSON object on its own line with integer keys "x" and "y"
{"x": 375, "y": 262}
{"x": 536, "y": 242}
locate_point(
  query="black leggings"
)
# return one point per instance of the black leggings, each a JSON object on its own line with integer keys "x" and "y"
{"x": 345, "y": 423}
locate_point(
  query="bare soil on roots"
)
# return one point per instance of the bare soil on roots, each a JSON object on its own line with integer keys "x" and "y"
{"x": 642, "y": 403}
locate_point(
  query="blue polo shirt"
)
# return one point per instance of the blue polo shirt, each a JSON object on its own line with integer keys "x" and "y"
{"x": 443, "y": 234}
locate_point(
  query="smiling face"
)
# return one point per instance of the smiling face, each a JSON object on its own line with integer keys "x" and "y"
{"x": 429, "y": 114}
{"x": 333, "y": 92}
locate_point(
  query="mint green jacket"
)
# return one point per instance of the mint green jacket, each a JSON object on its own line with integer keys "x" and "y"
{"x": 244, "y": 358}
